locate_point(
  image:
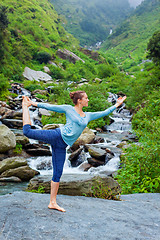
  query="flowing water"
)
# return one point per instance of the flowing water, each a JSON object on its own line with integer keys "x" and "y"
{"x": 115, "y": 132}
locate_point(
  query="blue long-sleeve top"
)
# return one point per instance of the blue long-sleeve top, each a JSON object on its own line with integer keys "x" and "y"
{"x": 75, "y": 124}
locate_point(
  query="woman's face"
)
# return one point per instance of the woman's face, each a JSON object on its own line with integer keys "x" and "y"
{"x": 84, "y": 101}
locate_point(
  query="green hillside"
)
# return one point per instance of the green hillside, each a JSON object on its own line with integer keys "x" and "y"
{"x": 90, "y": 21}
{"x": 128, "y": 42}
{"x": 33, "y": 27}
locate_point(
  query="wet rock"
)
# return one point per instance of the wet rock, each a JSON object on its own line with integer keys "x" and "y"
{"x": 11, "y": 114}
{"x": 36, "y": 75}
{"x": 74, "y": 155}
{"x": 94, "y": 162}
{"x": 13, "y": 123}
{"x": 22, "y": 140}
{"x": 85, "y": 166}
{"x": 10, "y": 179}
{"x": 70, "y": 56}
{"x": 98, "y": 140}
{"x": 44, "y": 166}
{"x": 97, "y": 153}
{"x": 37, "y": 149}
{"x": 7, "y": 139}
{"x": 80, "y": 159}
{"x": 10, "y": 163}
{"x": 51, "y": 126}
{"x": 25, "y": 173}
{"x": 86, "y": 137}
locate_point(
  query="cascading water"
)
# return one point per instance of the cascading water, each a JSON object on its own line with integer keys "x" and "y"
{"x": 120, "y": 127}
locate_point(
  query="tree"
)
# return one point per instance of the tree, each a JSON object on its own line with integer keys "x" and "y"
{"x": 154, "y": 48}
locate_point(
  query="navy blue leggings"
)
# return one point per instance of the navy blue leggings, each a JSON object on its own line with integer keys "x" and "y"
{"x": 54, "y": 138}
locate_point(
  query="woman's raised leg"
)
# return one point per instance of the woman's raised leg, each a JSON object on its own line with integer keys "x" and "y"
{"x": 26, "y": 116}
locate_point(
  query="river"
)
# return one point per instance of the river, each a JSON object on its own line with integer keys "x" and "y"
{"x": 119, "y": 129}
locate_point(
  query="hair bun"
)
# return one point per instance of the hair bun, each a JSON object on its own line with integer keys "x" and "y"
{"x": 71, "y": 95}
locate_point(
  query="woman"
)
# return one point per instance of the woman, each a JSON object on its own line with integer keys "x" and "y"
{"x": 60, "y": 138}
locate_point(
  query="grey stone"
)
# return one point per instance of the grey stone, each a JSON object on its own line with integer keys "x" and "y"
{"x": 10, "y": 163}
{"x": 86, "y": 137}
{"x": 7, "y": 139}
{"x": 26, "y": 216}
{"x": 25, "y": 173}
{"x": 10, "y": 179}
{"x": 51, "y": 126}
{"x": 97, "y": 153}
{"x": 13, "y": 123}
{"x": 66, "y": 54}
{"x": 36, "y": 75}
{"x": 22, "y": 140}
{"x": 74, "y": 187}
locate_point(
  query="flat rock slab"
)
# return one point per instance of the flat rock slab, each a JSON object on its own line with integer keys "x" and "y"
{"x": 26, "y": 216}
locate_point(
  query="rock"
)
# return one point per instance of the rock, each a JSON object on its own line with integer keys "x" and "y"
{"x": 22, "y": 140}
{"x": 97, "y": 153}
{"x": 94, "y": 162}
{"x": 44, "y": 166}
{"x": 39, "y": 91}
{"x": 75, "y": 188}
{"x": 75, "y": 154}
{"x": 11, "y": 114}
{"x": 36, "y": 75}
{"x": 79, "y": 160}
{"x": 10, "y": 179}
{"x": 7, "y": 139}
{"x": 66, "y": 54}
{"x": 46, "y": 69}
{"x": 85, "y": 166}
{"x": 86, "y": 137}
{"x": 98, "y": 80}
{"x": 10, "y": 163}
{"x": 25, "y": 173}
{"x": 98, "y": 140}
{"x": 13, "y": 123}
{"x": 37, "y": 149}
{"x": 42, "y": 111}
{"x": 51, "y": 126}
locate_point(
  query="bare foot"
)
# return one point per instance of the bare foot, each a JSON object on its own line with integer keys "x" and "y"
{"x": 25, "y": 101}
{"x": 56, "y": 206}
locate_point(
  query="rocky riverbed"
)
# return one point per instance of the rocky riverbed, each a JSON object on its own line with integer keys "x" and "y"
{"x": 26, "y": 216}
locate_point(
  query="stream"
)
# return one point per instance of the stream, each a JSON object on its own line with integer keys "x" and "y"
{"x": 118, "y": 130}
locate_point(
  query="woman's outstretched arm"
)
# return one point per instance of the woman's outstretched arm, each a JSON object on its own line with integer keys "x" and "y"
{"x": 96, "y": 115}
{"x": 50, "y": 107}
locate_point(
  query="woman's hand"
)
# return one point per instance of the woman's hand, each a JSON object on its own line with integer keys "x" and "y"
{"x": 120, "y": 101}
{"x": 28, "y": 102}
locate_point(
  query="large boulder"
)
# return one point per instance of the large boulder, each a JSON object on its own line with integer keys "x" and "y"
{"x": 86, "y": 137}
{"x": 25, "y": 173}
{"x": 76, "y": 188}
{"x": 7, "y": 139}
{"x": 10, "y": 163}
{"x": 70, "y": 56}
{"x": 36, "y": 75}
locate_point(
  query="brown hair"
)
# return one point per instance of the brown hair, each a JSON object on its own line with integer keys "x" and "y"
{"x": 76, "y": 95}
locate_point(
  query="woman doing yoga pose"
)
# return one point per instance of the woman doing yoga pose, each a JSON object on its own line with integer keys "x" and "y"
{"x": 60, "y": 138}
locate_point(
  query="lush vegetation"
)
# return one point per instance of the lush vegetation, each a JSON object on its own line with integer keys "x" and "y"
{"x": 90, "y": 21}
{"x": 128, "y": 43}
{"x": 32, "y": 33}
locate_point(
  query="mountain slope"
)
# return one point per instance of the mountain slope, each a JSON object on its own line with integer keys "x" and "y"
{"x": 90, "y": 21}
{"x": 34, "y": 27}
{"x": 130, "y": 39}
